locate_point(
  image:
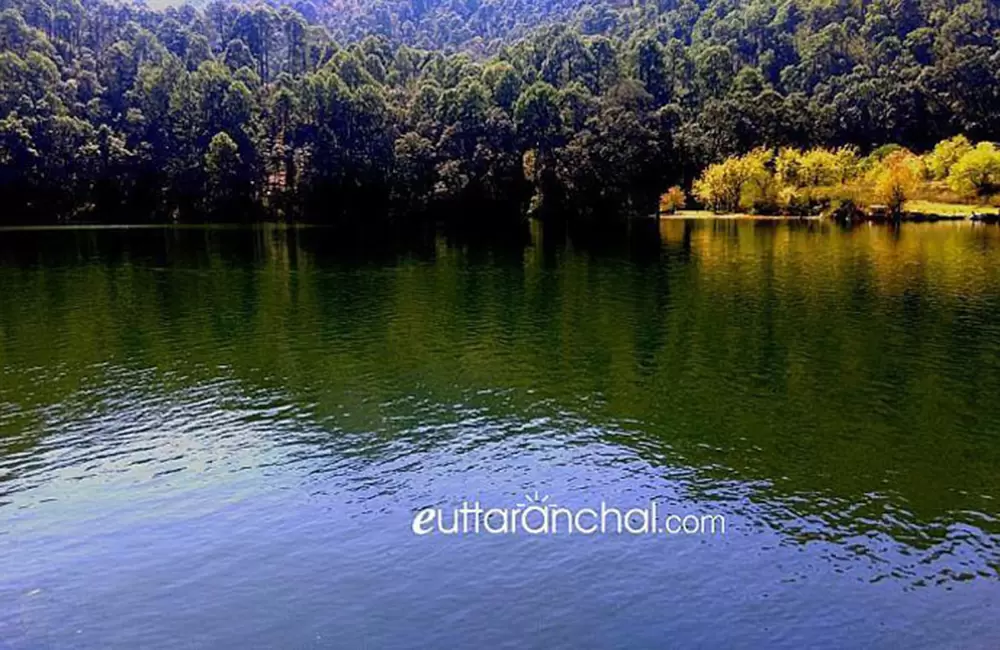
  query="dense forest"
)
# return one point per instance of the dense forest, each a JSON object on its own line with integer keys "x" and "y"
{"x": 354, "y": 111}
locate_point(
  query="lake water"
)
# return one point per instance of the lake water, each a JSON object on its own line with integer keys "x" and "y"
{"x": 219, "y": 437}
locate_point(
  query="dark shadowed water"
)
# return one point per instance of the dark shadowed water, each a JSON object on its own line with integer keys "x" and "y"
{"x": 218, "y": 438}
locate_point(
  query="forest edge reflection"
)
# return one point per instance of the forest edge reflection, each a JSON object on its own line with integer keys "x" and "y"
{"x": 834, "y": 399}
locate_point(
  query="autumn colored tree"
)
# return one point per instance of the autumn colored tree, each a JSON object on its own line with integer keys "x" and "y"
{"x": 672, "y": 200}
{"x": 894, "y": 181}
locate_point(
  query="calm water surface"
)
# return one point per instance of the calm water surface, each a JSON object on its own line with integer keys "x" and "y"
{"x": 217, "y": 438}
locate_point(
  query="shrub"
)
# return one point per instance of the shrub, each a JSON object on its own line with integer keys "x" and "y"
{"x": 845, "y": 210}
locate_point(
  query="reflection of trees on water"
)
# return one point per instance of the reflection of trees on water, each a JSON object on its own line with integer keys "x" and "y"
{"x": 845, "y": 379}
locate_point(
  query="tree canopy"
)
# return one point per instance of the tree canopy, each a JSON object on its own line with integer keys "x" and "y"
{"x": 350, "y": 110}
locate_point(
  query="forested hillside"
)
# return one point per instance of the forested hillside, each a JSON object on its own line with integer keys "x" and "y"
{"x": 353, "y": 110}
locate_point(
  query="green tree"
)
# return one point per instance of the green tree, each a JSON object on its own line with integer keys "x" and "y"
{"x": 977, "y": 173}
{"x": 537, "y": 116}
{"x": 945, "y": 154}
{"x": 225, "y": 182}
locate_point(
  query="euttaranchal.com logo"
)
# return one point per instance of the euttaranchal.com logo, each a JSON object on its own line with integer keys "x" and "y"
{"x": 538, "y": 515}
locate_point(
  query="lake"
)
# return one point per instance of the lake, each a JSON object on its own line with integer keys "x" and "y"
{"x": 220, "y": 437}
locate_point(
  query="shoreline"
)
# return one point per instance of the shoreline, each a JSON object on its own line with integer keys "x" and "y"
{"x": 708, "y": 216}
{"x": 912, "y": 217}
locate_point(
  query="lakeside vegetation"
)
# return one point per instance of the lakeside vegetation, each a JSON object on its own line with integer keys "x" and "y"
{"x": 355, "y": 112}
{"x": 955, "y": 177}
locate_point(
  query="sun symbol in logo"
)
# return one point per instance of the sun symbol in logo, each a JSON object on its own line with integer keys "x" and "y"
{"x": 536, "y": 500}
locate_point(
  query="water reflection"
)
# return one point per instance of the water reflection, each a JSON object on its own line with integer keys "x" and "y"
{"x": 832, "y": 391}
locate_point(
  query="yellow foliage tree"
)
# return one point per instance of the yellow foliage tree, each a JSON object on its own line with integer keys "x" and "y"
{"x": 720, "y": 186}
{"x": 895, "y": 179}
{"x": 760, "y": 192}
{"x": 819, "y": 167}
{"x": 946, "y": 153}
{"x": 800, "y": 182}
{"x": 847, "y": 162}
{"x": 977, "y": 173}
{"x": 787, "y": 167}
{"x": 744, "y": 182}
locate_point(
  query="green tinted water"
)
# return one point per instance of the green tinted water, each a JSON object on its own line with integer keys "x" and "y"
{"x": 217, "y": 437}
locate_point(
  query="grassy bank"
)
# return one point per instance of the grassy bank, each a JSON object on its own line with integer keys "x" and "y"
{"x": 948, "y": 209}
{"x": 913, "y": 211}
